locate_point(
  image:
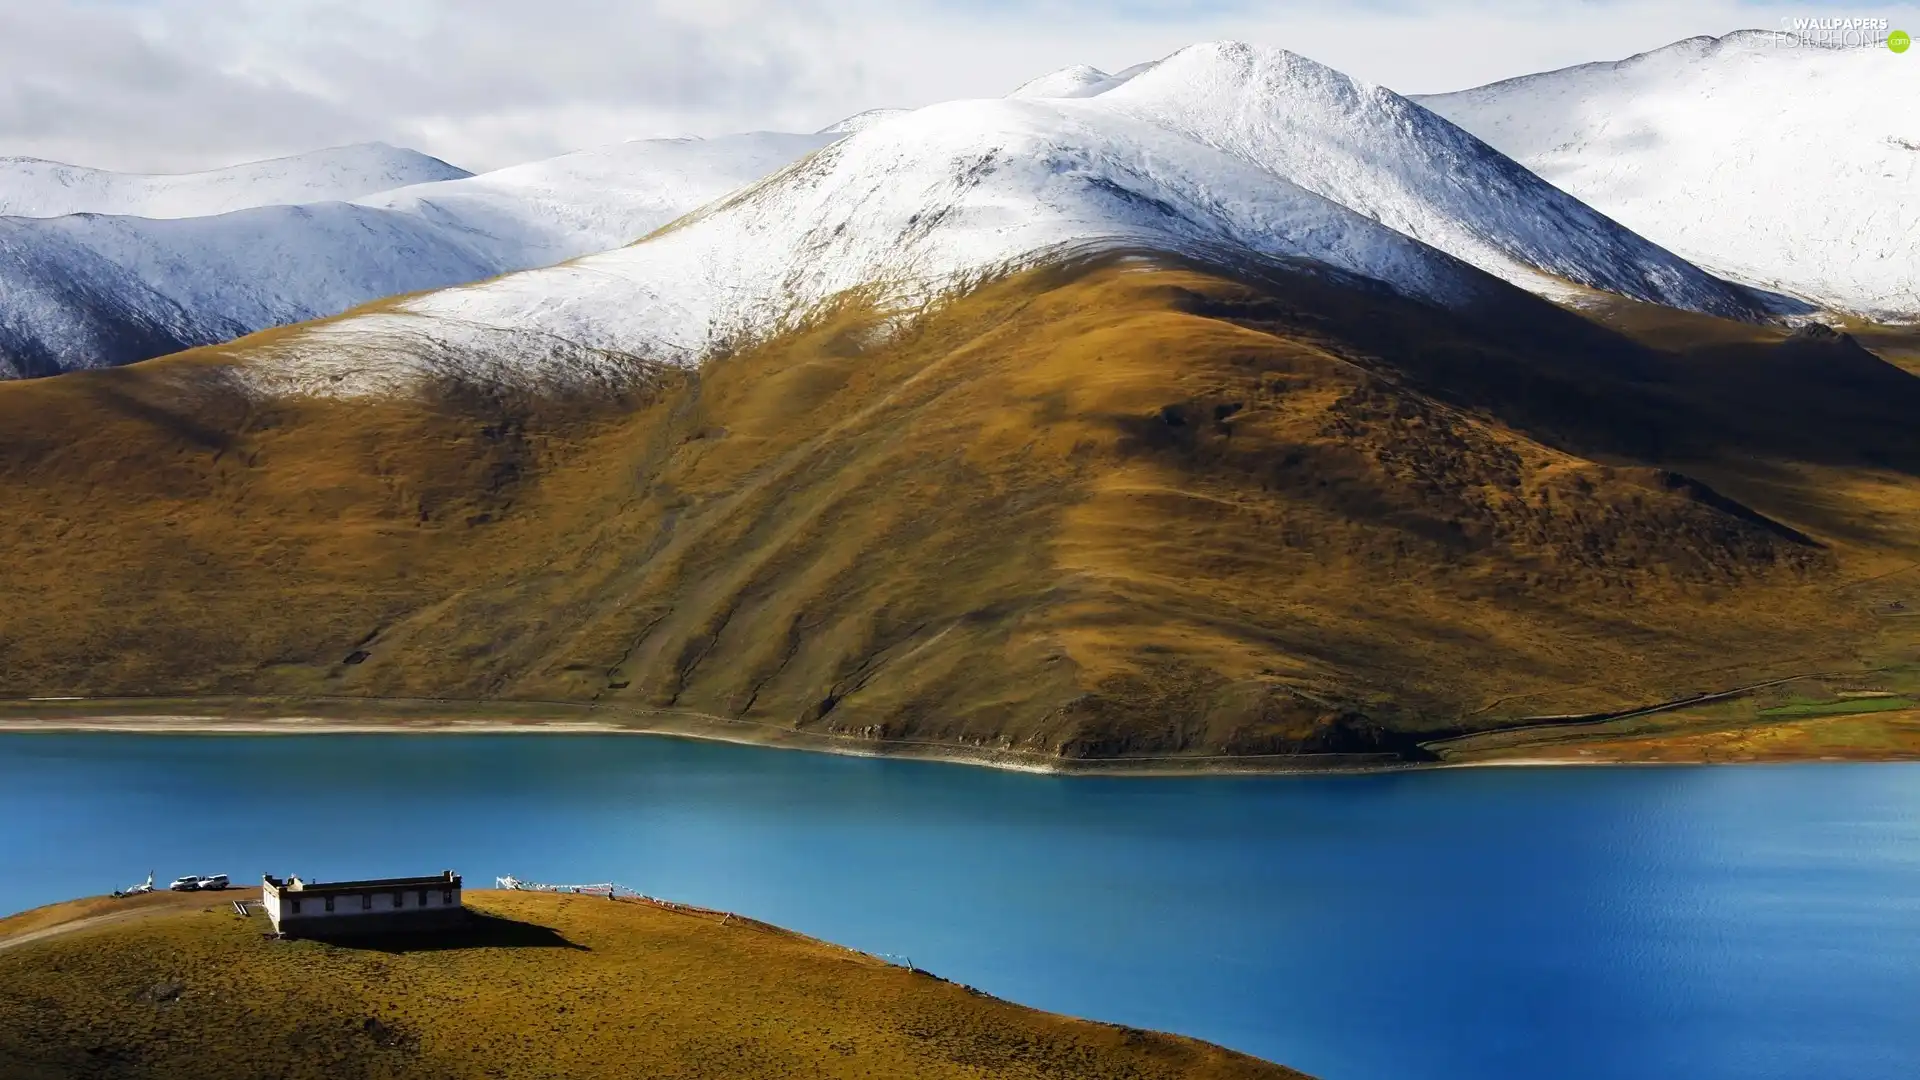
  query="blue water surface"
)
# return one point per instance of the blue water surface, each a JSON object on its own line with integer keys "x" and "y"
{"x": 1722, "y": 922}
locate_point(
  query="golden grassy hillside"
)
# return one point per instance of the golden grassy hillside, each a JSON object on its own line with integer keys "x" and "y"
{"x": 1096, "y": 510}
{"x": 545, "y": 986}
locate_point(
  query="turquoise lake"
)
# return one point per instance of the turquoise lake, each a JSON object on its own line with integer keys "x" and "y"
{"x": 1749, "y": 922}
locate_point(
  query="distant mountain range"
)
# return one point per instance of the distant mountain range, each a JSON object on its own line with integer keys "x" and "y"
{"x": 44, "y": 189}
{"x": 1218, "y": 149}
{"x": 98, "y": 286}
{"x": 1220, "y": 144}
{"x": 1223, "y": 406}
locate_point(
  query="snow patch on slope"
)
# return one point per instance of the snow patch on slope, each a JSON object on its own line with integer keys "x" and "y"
{"x": 58, "y": 291}
{"x": 1770, "y": 160}
{"x": 33, "y": 188}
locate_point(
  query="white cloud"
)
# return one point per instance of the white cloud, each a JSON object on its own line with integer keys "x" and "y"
{"x": 176, "y": 84}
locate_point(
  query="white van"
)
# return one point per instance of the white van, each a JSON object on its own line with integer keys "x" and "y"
{"x": 215, "y": 882}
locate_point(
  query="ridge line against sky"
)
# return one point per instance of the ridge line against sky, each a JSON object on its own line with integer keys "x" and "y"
{"x": 176, "y": 85}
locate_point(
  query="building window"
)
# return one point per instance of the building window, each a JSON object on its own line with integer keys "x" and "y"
{"x": 399, "y": 900}
{"x": 296, "y": 907}
{"x": 329, "y": 903}
{"x": 366, "y": 901}
{"x": 423, "y": 898}
{"x": 446, "y": 897}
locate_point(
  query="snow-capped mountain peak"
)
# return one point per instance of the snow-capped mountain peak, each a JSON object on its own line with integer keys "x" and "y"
{"x": 1221, "y": 148}
{"x": 1763, "y": 156}
{"x": 908, "y": 207}
{"x": 1224, "y": 149}
{"x": 1381, "y": 154}
{"x": 1077, "y": 81}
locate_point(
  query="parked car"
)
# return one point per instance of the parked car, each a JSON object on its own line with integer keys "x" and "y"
{"x": 185, "y": 884}
{"x": 214, "y": 882}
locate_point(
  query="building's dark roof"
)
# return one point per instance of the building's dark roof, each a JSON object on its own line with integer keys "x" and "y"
{"x": 437, "y": 881}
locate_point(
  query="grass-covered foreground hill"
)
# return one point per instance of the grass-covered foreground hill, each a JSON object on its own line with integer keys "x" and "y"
{"x": 543, "y": 986}
{"x": 1106, "y": 510}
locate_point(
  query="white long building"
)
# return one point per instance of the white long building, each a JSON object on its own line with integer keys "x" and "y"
{"x": 380, "y": 906}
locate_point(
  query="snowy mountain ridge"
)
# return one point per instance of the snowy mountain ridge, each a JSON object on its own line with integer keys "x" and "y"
{"x": 1370, "y": 149}
{"x": 1217, "y": 148}
{"x": 909, "y": 206}
{"x": 1769, "y": 159}
{"x": 592, "y": 200}
{"x": 33, "y": 188}
{"x": 1077, "y": 81}
{"x": 1220, "y": 146}
{"x": 860, "y": 121}
{"x": 178, "y": 283}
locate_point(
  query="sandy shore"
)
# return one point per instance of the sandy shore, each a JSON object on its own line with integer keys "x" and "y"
{"x": 303, "y": 725}
{"x": 715, "y": 729}
{"x": 742, "y": 733}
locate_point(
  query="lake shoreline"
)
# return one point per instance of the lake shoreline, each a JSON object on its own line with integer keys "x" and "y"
{"x": 716, "y": 729}
{"x": 773, "y": 739}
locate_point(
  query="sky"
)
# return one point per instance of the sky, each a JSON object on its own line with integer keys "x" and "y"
{"x": 176, "y": 85}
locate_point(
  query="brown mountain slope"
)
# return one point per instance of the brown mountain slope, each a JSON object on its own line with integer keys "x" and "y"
{"x": 1096, "y": 510}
